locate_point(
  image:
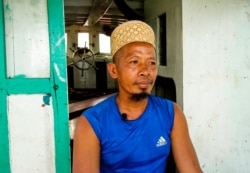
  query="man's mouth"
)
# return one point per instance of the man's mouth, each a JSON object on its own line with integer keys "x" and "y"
{"x": 144, "y": 83}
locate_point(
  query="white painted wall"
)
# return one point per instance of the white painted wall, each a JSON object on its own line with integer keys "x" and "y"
{"x": 31, "y": 134}
{"x": 31, "y": 47}
{"x": 215, "y": 77}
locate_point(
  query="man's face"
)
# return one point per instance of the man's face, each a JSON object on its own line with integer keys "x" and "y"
{"x": 135, "y": 68}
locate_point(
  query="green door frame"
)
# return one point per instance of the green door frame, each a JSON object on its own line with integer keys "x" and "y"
{"x": 56, "y": 86}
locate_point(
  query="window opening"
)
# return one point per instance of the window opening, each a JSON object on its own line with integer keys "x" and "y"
{"x": 83, "y": 39}
{"x": 66, "y": 41}
{"x": 163, "y": 39}
{"x": 104, "y": 43}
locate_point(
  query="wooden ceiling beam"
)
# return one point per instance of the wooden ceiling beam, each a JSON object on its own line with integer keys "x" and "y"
{"x": 99, "y": 8}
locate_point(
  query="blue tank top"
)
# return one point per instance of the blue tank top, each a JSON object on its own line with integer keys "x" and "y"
{"x": 133, "y": 146}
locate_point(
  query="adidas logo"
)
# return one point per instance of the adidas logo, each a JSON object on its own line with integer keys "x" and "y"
{"x": 161, "y": 142}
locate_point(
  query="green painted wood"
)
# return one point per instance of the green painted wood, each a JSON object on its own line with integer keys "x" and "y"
{"x": 28, "y": 86}
{"x": 59, "y": 84}
{"x": 56, "y": 85}
{"x": 2, "y": 44}
{"x": 4, "y": 141}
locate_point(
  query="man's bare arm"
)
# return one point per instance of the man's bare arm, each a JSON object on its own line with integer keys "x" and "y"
{"x": 86, "y": 150}
{"x": 184, "y": 153}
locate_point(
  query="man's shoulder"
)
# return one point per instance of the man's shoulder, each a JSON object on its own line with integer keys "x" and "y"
{"x": 162, "y": 103}
{"x": 159, "y": 98}
{"x": 102, "y": 105}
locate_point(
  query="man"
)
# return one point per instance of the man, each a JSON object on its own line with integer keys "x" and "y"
{"x": 132, "y": 130}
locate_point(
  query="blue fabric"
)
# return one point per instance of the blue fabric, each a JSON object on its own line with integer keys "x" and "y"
{"x": 137, "y": 146}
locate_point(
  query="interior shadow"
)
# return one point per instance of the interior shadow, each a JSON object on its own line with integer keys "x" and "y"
{"x": 165, "y": 87}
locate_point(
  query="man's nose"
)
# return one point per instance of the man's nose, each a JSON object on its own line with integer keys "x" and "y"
{"x": 144, "y": 70}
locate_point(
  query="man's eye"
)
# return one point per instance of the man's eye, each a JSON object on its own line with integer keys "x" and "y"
{"x": 133, "y": 62}
{"x": 152, "y": 63}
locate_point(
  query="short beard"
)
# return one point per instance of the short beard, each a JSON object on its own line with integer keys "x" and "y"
{"x": 138, "y": 97}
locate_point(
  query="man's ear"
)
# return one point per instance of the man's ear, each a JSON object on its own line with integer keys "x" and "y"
{"x": 112, "y": 70}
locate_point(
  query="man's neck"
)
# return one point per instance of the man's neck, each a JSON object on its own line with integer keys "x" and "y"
{"x": 133, "y": 108}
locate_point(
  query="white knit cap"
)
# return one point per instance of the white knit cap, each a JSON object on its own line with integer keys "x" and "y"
{"x": 131, "y": 31}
